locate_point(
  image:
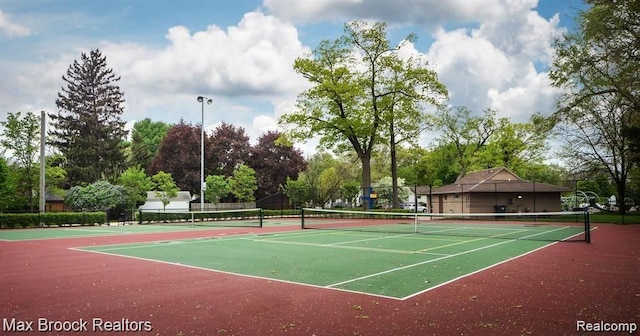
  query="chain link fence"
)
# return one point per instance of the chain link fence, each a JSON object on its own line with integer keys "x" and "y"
{"x": 488, "y": 196}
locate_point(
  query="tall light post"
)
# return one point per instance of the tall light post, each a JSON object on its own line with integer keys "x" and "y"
{"x": 203, "y": 186}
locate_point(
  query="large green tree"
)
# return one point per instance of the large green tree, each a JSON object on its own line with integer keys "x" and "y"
{"x": 466, "y": 133}
{"x": 20, "y": 136}
{"x": 324, "y": 178}
{"x": 217, "y": 188}
{"x": 136, "y": 184}
{"x": 352, "y": 94}
{"x": 410, "y": 85}
{"x": 516, "y": 146}
{"x": 146, "y": 136}
{"x": 6, "y": 188}
{"x": 165, "y": 187}
{"x": 598, "y": 68}
{"x": 87, "y": 128}
{"x": 243, "y": 183}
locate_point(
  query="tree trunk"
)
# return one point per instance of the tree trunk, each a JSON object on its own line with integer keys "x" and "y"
{"x": 365, "y": 160}
{"x": 621, "y": 186}
{"x": 394, "y": 169}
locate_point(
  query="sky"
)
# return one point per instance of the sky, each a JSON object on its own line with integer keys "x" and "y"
{"x": 489, "y": 53}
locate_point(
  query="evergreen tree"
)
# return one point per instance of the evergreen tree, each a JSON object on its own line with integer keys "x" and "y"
{"x": 87, "y": 128}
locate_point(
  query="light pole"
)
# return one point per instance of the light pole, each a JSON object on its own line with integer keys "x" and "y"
{"x": 202, "y": 99}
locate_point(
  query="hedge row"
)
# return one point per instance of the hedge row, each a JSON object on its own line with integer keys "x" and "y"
{"x": 16, "y": 220}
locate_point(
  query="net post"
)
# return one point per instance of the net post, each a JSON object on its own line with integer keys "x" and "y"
{"x": 302, "y": 217}
{"x": 587, "y": 226}
{"x": 140, "y": 217}
{"x": 261, "y": 215}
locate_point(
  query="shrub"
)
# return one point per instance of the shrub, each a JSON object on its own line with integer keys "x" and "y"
{"x": 10, "y": 221}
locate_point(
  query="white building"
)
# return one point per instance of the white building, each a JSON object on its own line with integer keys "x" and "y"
{"x": 178, "y": 203}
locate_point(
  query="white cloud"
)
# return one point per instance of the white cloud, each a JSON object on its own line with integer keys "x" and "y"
{"x": 249, "y": 62}
{"x": 11, "y": 29}
{"x": 493, "y": 65}
{"x": 532, "y": 93}
{"x": 521, "y": 32}
{"x": 424, "y": 12}
{"x": 488, "y": 60}
{"x": 253, "y": 58}
{"x": 469, "y": 66}
{"x": 490, "y": 63}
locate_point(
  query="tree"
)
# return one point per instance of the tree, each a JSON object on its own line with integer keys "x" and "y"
{"x": 98, "y": 196}
{"x": 350, "y": 190}
{"x": 136, "y": 185}
{"x": 346, "y": 105}
{"x": 324, "y": 178}
{"x": 467, "y": 134}
{"x": 217, "y": 187}
{"x": 598, "y": 68}
{"x": 87, "y": 129}
{"x": 243, "y": 183}
{"x": 179, "y": 155}
{"x": 228, "y": 148}
{"x": 274, "y": 162}
{"x": 165, "y": 187}
{"x": 146, "y": 136}
{"x": 56, "y": 175}
{"x": 298, "y": 191}
{"x": 21, "y": 137}
{"x": 6, "y": 189}
{"x": 516, "y": 145}
{"x": 410, "y": 85}
{"x": 386, "y": 194}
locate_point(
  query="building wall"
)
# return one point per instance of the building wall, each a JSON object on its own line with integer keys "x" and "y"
{"x": 55, "y": 207}
{"x": 504, "y": 176}
{"x": 451, "y": 203}
{"x": 486, "y": 202}
{"x": 516, "y": 202}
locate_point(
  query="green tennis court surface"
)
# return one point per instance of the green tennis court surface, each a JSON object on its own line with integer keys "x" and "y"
{"x": 390, "y": 265}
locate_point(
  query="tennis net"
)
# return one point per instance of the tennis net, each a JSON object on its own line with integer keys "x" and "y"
{"x": 222, "y": 218}
{"x": 544, "y": 226}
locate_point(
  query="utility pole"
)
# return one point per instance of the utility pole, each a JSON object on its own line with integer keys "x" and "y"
{"x": 43, "y": 123}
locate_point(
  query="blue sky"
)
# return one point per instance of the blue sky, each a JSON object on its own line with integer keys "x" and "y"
{"x": 489, "y": 53}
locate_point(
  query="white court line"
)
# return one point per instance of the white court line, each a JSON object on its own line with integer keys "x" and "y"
{"x": 370, "y": 239}
{"x": 490, "y": 266}
{"x": 246, "y": 236}
{"x": 98, "y": 230}
{"x": 361, "y": 248}
{"x": 79, "y": 249}
{"x": 233, "y": 273}
{"x": 437, "y": 259}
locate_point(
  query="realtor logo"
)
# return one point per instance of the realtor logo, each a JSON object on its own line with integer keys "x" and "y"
{"x": 601, "y": 326}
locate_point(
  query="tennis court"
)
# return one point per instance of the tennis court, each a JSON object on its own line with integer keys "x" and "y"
{"x": 347, "y": 274}
{"x": 380, "y": 256}
{"x": 154, "y": 222}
